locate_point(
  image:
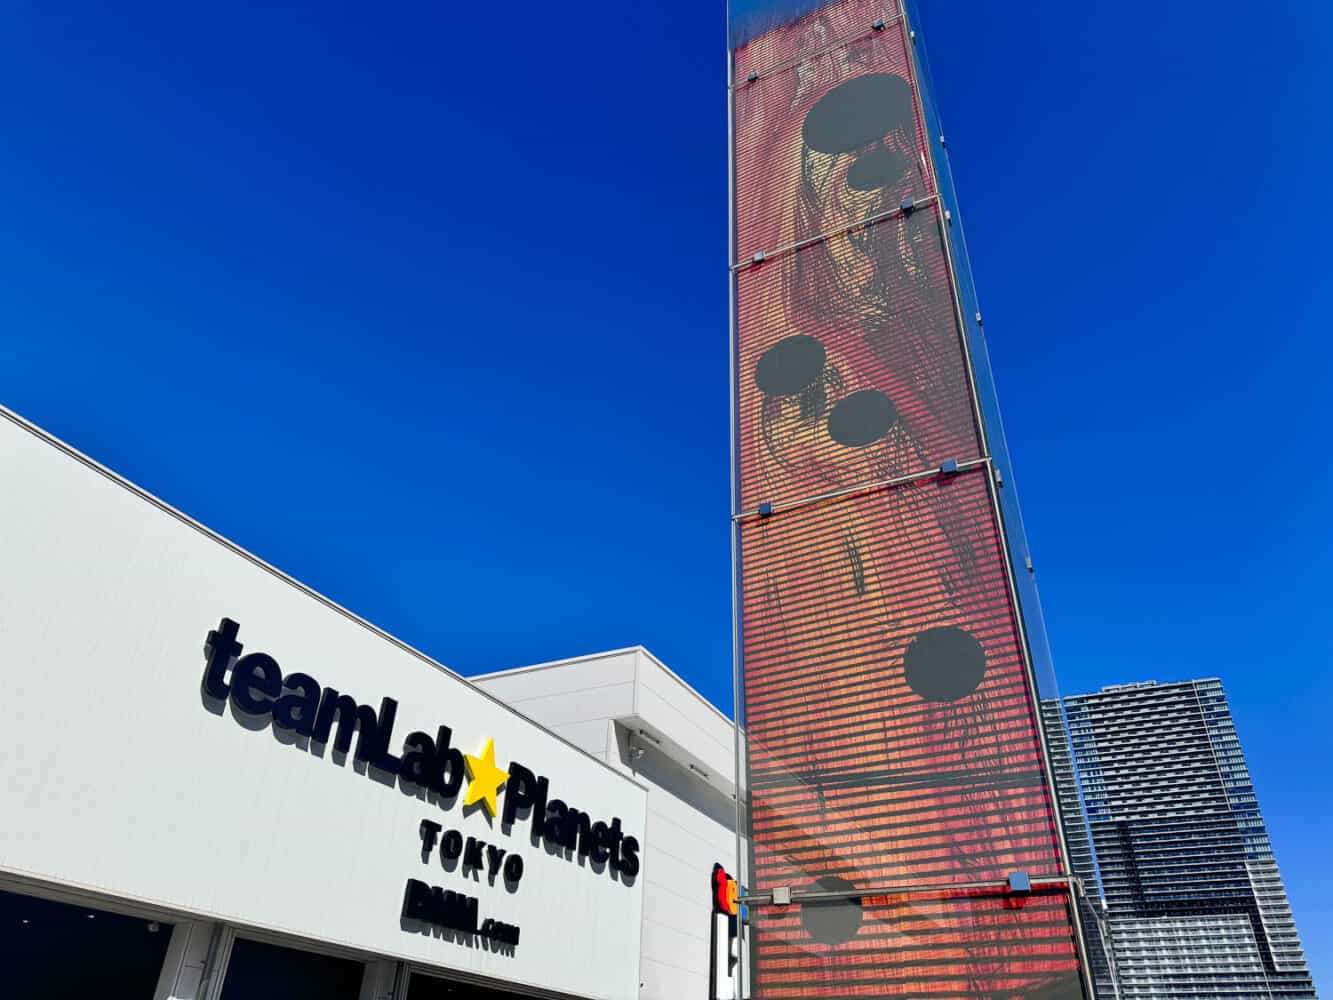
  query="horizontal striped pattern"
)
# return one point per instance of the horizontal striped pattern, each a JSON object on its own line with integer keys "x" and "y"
{"x": 879, "y": 303}
{"x": 774, "y": 172}
{"x": 921, "y": 946}
{"x": 891, "y": 735}
{"x": 852, "y": 772}
{"x": 808, "y": 28}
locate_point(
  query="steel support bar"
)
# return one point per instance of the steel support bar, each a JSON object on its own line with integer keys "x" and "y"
{"x": 998, "y": 887}
{"x": 871, "y": 487}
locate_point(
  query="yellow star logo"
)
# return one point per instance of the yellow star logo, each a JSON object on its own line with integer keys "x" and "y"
{"x": 484, "y": 778}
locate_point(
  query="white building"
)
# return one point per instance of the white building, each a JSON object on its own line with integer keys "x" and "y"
{"x": 218, "y": 784}
{"x": 629, "y": 710}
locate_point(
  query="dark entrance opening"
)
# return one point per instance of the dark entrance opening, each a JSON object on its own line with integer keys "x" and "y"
{"x": 57, "y": 951}
{"x": 424, "y": 987}
{"x": 261, "y": 971}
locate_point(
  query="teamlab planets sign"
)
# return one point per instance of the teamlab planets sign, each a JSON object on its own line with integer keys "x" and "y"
{"x": 204, "y": 736}
{"x": 427, "y": 766}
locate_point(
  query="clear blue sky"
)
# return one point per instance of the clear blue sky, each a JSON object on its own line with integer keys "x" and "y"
{"x": 426, "y": 305}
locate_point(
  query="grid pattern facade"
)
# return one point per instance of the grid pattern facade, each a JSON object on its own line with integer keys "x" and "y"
{"x": 896, "y": 773}
{"x": 1082, "y": 859}
{"x": 1196, "y": 906}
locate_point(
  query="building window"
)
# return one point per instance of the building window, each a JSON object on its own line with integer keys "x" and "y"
{"x": 260, "y": 971}
{"x": 56, "y": 951}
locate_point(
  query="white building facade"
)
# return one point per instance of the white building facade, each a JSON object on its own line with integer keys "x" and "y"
{"x": 219, "y": 785}
{"x": 629, "y": 710}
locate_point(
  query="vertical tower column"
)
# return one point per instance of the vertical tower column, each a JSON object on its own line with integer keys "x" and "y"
{"x": 900, "y": 825}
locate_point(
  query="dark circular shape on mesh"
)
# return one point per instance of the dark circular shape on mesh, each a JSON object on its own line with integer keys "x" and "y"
{"x": 944, "y": 664}
{"x": 876, "y": 169}
{"x": 791, "y": 365}
{"x": 862, "y": 418}
{"x": 856, "y": 113}
{"x": 832, "y": 921}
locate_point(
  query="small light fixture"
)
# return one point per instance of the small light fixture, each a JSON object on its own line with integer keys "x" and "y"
{"x": 878, "y": 24}
{"x": 636, "y": 752}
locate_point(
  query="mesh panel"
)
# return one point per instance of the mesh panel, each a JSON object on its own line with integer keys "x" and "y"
{"x": 811, "y": 138}
{"x": 816, "y": 21}
{"x": 827, "y": 328}
{"x": 917, "y": 946}
{"x": 891, "y": 739}
{"x": 888, "y": 718}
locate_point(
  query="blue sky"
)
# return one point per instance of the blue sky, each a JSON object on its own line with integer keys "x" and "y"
{"x": 427, "y": 307}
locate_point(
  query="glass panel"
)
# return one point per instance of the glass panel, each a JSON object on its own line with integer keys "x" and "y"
{"x": 261, "y": 971}
{"x": 837, "y": 21}
{"x": 825, "y": 140}
{"x": 55, "y": 951}
{"x": 889, "y": 724}
{"x": 917, "y": 945}
{"x": 892, "y": 735}
{"x": 851, "y": 367}
{"x": 983, "y": 376}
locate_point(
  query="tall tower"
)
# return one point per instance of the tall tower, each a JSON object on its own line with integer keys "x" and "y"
{"x": 1195, "y": 904}
{"x": 901, "y": 832}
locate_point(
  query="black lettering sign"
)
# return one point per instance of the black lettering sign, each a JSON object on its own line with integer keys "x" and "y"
{"x": 453, "y": 911}
{"x": 296, "y": 703}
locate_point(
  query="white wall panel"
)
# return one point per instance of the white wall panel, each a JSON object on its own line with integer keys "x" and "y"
{"x": 576, "y": 706}
{"x": 118, "y": 778}
{"x": 600, "y": 671}
{"x": 669, "y": 705}
{"x": 591, "y": 737}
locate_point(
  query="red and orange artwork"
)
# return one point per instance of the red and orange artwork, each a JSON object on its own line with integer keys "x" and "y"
{"x": 891, "y": 731}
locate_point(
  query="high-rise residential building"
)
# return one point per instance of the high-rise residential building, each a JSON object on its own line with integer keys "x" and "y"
{"x": 1194, "y": 902}
{"x": 1082, "y": 860}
